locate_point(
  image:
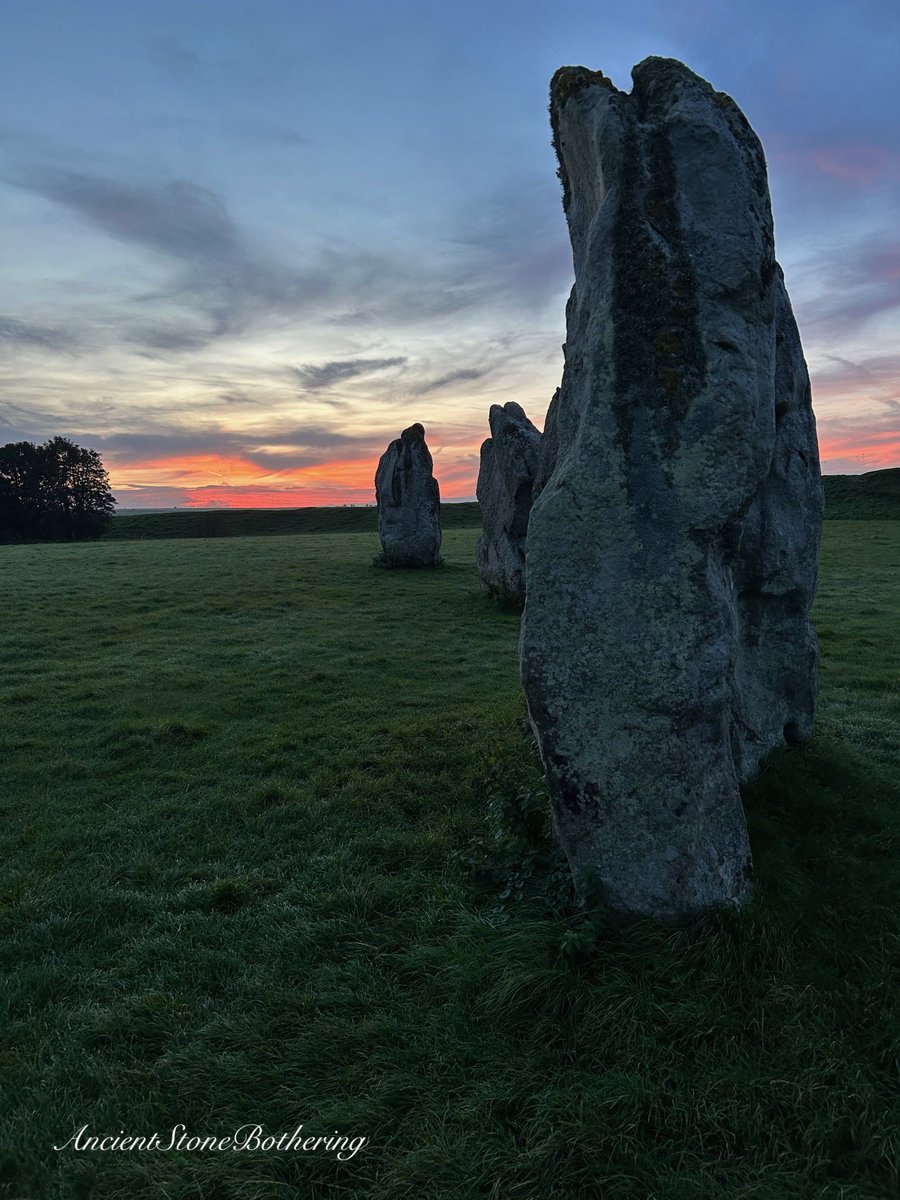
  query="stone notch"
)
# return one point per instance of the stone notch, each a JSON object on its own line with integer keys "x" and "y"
{"x": 409, "y": 503}
{"x": 673, "y": 547}
{"x": 509, "y": 459}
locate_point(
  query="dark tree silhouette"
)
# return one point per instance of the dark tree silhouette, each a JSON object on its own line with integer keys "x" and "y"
{"x": 55, "y": 491}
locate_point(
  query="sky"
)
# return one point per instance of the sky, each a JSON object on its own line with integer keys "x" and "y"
{"x": 249, "y": 241}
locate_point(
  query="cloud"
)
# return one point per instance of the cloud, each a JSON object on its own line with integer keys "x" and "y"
{"x": 504, "y": 252}
{"x": 848, "y": 444}
{"x": 220, "y": 274}
{"x": 514, "y": 243}
{"x": 327, "y": 374}
{"x": 167, "y": 338}
{"x": 504, "y": 258}
{"x": 876, "y": 378}
{"x": 32, "y": 424}
{"x": 177, "y": 60}
{"x": 857, "y": 403}
{"x": 238, "y": 397}
{"x": 271, "y": 447}
{"x": 178, "y": 218}
{"x": 861, "y": 164}
{"x": 464, "y": 376}
{"x": 841, "y": 290}
{"x": 122, "y": 437}
{"x": 223, "y": 495}
{"x": 195, "y": 69}
{"x": 23, "y": 333}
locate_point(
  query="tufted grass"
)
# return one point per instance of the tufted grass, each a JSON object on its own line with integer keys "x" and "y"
{"x": 247, "y": 785}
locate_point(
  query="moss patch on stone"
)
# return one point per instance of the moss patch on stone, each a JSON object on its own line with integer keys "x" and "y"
{"x": 658, "y": 353}
{"x": 566, "y": 83}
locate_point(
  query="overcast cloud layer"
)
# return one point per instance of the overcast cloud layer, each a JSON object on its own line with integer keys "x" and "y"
{"x": 246, "y": 245}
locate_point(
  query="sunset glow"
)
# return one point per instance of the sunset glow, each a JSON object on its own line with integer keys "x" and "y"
{"x": 850, "y": 454}
{"x": 205, "y": 480}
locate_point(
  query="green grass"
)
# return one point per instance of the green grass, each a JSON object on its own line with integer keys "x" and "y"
{"x": 252, "y": 790}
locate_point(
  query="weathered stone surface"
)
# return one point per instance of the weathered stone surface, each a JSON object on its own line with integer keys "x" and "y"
{"x": 409, "y": 502}
{"x": 673, "y": 546}
{"x": 509, "y": 459}
{"x": 549, "y": 446}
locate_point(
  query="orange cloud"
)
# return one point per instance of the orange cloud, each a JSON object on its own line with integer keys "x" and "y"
{"x": 240, "y": 482}
{"x": 861, "y": 164}
{"x": 867, "y": 440}
{"x": 854, "y": 448}
{"x": 185, "y": 470}
{"x": 204, "y": 480}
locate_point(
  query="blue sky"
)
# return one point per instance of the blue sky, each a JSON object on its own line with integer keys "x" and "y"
{"x": 248, "y": 242}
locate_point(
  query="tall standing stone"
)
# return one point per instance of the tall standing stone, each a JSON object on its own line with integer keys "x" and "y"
{"x": 672, "y": 551}
{"x": 409, "y": 502}
{"x": 509, "y": 459}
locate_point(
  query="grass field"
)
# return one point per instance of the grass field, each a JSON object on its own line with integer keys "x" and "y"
{"x": 870, "y": 497}
{"x": 263, "y": 862}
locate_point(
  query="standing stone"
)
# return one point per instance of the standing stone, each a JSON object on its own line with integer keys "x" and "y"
{"x": 509, "y": 461}
{"x": 549, "y": 446}
{"x": 409, "y": 503}
{"x": 672, "y": 551}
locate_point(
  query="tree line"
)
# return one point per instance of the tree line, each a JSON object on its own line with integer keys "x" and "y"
{"x": 56, "y": 492}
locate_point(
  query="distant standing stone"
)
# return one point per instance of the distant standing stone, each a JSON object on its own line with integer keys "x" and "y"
{"x": 509, "y": 460}
{"x": 672, "y": 550}
{"x": 409, "y": 502}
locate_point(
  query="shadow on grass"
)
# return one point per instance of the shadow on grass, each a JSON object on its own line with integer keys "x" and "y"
{"x": 825, "y": 842}
{"x": 776, "y": 1023}
{"x": 823, "y": 825}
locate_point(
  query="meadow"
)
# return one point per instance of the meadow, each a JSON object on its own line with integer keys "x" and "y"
{"x": 275, "y": 851}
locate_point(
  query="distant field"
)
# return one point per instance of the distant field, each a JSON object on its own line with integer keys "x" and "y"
{"x": 269, "y": 854}
{"x": 258, "y": 522}
{"x": 875, "y": 496}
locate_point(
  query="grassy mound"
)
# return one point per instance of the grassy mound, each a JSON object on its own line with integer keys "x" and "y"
{"x": 874, "y": 496}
